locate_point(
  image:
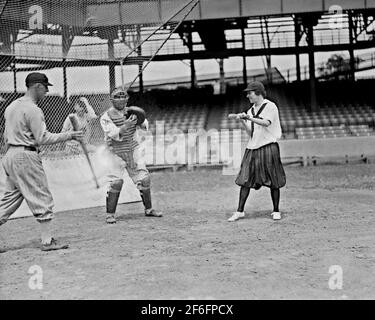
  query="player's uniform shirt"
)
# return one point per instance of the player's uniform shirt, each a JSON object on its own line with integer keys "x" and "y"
{"x": 111, "y": 121}
{"x": 264, "y": 135}
{"x": 25, "y": 177}
{"x": 25, "y": 125}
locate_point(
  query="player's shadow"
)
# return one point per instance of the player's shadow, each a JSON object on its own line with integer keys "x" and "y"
{"x": 71, "y": 240}
{"x": 33, "y": 244}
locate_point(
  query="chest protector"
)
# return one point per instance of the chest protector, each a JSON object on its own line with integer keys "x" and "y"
{"x": 128, "y": 139}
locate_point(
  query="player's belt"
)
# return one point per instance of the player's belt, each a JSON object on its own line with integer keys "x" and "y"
{"x": 28, "y": 148}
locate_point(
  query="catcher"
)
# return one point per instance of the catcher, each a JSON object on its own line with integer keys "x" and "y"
{"x": 120, "y": 131}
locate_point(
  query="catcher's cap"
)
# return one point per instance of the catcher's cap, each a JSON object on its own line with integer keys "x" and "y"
{"x": 37, "y": 77}
{"x": 119, "y": 94}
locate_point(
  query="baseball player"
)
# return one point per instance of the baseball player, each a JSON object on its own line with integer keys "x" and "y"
{"x": 25, "y": 131}
{"x": 120, "y": 132}
{"x": 261, "y": 164}
{"x": 85, "y": 114}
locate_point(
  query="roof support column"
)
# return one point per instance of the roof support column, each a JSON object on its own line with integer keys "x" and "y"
{"x": 244, "y": 57}
{"x": 112, "y": 71}
{"x": 352, "y": 39}
{"x": 309, "y": 21}
{"x": 297, "y": 36}
{"x": 140, "y": 63}
{"x": 310, "y": 43}
{"x": 65, "y": 81}
{"x": 222, "y": 76}
{"x": 14, "y": 77}
{"x": 192, "y": 64}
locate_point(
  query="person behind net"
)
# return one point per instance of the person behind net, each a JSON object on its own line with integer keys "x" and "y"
{"x": 85, "y": 115}
{"x": 120, "y": 131}
{"x": 25, "y": 131}
{"x": 261, "y": 164}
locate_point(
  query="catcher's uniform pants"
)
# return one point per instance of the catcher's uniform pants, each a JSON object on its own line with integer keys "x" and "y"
{"x": 25, "y": 179}
{"x": 134, "y": 163}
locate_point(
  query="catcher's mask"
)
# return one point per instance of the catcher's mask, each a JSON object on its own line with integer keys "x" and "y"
{"x": 119, "y": 94}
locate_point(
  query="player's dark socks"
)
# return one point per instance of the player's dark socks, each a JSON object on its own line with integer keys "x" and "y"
{"x": 111, "y": 201}
{"x": 275, "y": 195}
{"x": 244, "y": 193}
{"x": 146, "y": 198}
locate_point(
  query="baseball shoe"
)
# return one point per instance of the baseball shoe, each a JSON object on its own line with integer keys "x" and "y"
{"x": 276, "y": 215}
{"x": 110, "y": 218}
{"x": 54, "y": 245}
{"x": 236, "y": 216}
{"x": 153, "y": 213}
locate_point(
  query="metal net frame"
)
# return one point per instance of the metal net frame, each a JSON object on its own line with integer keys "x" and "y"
{"x": 86, "y": 48}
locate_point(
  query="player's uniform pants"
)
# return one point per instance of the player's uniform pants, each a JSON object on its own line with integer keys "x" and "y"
{"x": 134, "y": 163}
{"x": 25, "y": 179}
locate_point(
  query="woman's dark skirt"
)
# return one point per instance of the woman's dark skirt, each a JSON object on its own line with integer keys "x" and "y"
{"x": 262, "y": 167}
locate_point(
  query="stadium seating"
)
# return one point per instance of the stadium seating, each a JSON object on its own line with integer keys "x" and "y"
{"x": 186, "y": 117}
{"x": 333, "y": 131}
{"x": 361, "y": 130}
{"x": 178, "y": 109}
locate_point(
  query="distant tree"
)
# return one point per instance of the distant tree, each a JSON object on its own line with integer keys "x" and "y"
{"x": 335, "y": 63}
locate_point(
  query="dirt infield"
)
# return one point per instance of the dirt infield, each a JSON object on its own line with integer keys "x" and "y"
{"x": 194, "y": 253}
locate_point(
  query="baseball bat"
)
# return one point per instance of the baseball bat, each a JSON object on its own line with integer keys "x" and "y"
{"x": 75, "y": 125}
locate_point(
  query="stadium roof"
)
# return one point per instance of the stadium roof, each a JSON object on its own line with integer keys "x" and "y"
{"x": 118, "y": 12}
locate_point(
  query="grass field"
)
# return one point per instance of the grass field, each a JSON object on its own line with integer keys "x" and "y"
{"x": 194, "y": 253}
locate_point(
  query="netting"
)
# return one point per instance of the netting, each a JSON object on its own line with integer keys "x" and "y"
{"x": 86, "y": 48}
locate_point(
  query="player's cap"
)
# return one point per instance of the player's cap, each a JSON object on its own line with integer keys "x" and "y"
{"x": 36, "y": 77}
{"x": 119, "y": 94}
{"x": 255, "y": 86}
